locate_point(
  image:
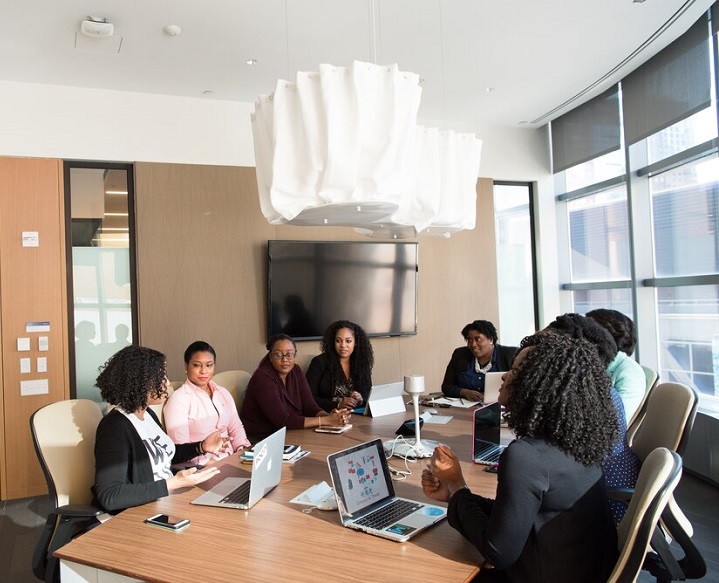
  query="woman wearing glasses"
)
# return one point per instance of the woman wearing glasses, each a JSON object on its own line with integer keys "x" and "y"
{"x": 464, "y": 377}
{"x": 278, "y": 395}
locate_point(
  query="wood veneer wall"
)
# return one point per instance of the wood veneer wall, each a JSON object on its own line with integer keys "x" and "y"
{"x": 33, "y": 287}
{"x": 201, "y": 273}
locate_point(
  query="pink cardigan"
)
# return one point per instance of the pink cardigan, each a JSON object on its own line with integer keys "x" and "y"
{"x": 190, "y": 415}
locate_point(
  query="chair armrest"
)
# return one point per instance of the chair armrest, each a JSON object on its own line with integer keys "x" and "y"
{"x": 77, "y": 511}
{"x": 621, "y": 494}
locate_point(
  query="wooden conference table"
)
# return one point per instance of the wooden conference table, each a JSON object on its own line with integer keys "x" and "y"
{"x": 276, "y": 540}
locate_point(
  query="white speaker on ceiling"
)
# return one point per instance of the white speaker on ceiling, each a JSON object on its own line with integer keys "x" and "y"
{"x": 96, "y": 28}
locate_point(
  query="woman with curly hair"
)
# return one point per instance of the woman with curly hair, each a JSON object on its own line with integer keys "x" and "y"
{"x": 464, "y": 377}
{"x": 133, "y": 454}
{"x": 627, "y": 375}
{"x": 341, "y": 377}
{"x": 550, "y": 520}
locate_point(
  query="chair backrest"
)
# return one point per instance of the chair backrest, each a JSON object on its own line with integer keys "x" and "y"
{"x": 303, "y": 359}
{"x": 670, "y": 412}
{"x": 158, "y": 408}
{"x": 175, "y": 385}
{"x": 63, "y": 434}
{"x": 652, "y": 378}
{"x": 658, "y": 477}
{"x": 234, "y": 381}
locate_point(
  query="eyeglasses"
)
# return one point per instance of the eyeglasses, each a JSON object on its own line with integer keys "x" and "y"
{"x": 285, "y": 356}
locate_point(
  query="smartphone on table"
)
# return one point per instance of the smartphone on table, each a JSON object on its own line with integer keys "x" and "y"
{"x": 167, "y": 521}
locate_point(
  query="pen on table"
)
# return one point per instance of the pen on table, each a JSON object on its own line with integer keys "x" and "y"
{"x": 461, "y": 401}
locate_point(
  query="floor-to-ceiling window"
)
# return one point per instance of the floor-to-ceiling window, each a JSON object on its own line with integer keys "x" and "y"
{"x": 642, "y": 209}
{"x": 100, "y": 251}
{"x": 516, "y": 280}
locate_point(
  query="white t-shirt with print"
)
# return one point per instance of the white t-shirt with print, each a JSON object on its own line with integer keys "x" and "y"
{"x": 157, "y": 443}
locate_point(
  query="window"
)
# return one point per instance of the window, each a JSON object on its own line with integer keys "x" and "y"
{"x": 99, "y": 206}
{"x": 516, "y": 280}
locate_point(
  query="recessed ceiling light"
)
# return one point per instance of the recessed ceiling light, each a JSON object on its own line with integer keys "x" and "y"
{"x": 251, "y": 62}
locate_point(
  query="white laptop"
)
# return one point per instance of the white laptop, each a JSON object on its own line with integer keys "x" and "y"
{"x": 385, "y": 400}
{"x": 492, "y": 382}
{"x": 365, "y": 495}
{"x": 244, "y": 493}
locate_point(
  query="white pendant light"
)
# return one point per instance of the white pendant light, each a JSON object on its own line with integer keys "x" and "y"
{"x": 342, "y": 147}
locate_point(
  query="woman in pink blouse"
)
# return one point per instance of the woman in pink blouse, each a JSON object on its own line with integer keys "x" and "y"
{"x": 200, "y": 406}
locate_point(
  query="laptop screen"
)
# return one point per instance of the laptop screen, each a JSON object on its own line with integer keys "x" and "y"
{"x": 486, "y": 426}
{"x": 360, "y": 476}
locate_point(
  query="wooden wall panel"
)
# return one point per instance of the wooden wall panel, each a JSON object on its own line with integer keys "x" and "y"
{"x": 33, "y": 289}
{"x": 202, "y": 245}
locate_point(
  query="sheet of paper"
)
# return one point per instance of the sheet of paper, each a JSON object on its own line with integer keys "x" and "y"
{"x": 42, "y": 343}
{"x": 23, "y": 344}
{"x": 41, "y": 364}
{"x": 454, "y": 402}
{"x": 25, "y": 365}
{"x": 439, "y": 419}
{"x": 38, "y": 387}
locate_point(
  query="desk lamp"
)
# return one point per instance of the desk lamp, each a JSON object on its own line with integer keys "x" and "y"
{"x": 413, "y": 448}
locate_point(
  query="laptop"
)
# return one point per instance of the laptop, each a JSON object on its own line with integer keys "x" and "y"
{"x": 492, "y": 382}
{"x": 385, "y": 400}
{"x": 365, "y": 495}
{"x": 488, "y": 442}
{"x": 244, "y": 493}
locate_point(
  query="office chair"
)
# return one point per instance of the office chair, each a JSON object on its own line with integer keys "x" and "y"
{"x": 158, "y": 408}
{"x": 669, "y": 417}
{"x": 63, "y": 434}
{"x": 652, "y": 378}
{"x": 657, "y": 480}
{"x": 234, "y": 381}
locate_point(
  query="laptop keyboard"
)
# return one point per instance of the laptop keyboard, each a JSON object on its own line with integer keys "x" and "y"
{"x": 240, "y": 495}
{"x": 389, "y": 514}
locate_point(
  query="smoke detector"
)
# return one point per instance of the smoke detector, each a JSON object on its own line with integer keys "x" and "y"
{"x": 95, "y": 26}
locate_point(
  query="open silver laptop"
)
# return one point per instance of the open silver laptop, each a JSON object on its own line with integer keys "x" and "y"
{"x": 244, "y": 493}
{"x": 492, "y": 382}
{"x": 488, "y": 442}
{"x": 366, "y": 498}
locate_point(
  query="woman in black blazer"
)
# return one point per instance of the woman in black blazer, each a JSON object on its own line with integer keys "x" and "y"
{"x": 464, "y": 377}
{"x": 341, "y": 377}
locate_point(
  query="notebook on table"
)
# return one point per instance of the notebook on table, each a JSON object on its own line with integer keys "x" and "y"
{"x": 492, "y": 382}
{"x": 488, "y": 443}
{"x": 366, "y": 499}
{"x": 244, "y": 493}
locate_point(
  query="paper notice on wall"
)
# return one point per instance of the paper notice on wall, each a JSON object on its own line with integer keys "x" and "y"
{"x": 37, "y": 387}
{"x": 23, "y": 344}
{"x": 41, "y": 364}
{"x": 24, "y": 365}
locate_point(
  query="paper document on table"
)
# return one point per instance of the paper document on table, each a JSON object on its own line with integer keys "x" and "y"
{"x": 453, "y": 402}
{"x": 439, "y": 419}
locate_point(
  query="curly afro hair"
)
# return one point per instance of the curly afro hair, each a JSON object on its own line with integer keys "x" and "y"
{"x": 560, "y": 393}
{"x": 361, "y": 359}
{"x": 131, "y": 376}
{"x": 621, "y": 328}
{"x": 578, "y": 326}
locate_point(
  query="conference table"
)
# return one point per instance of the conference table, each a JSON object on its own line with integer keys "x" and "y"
{"x": 276, "y": 540}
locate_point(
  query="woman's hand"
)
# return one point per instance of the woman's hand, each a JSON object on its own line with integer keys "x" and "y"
{"x": 217, "y": 442}
{"x": 339, "y": 416}
{"x": 191, "y": 477}
{"x": 471, "y": 395}
{"x": 354, "y": 400}
{"x": 444, "y": 465}
{"x": 433, "y": 487}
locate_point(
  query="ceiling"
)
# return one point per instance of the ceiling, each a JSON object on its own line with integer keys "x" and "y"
{"x": 515, "y": 63}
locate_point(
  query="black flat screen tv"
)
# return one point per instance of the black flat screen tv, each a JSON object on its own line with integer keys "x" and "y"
{"x": 314, "y": 283}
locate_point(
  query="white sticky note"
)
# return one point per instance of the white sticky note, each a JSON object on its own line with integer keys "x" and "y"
{"x": 42, "y": 343}
{"x": 30, "y": 239}
{"x": 41, "y": 364}
{"x": 38, "y": 387}
{"x": 25, "y": 366}
{"x": 23, "y": 344}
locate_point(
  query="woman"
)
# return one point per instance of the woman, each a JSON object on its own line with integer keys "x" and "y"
{"x": 627, "y": 375}
{"x": 200, "y": 406}
{"x": 278, "y": 395}
{"x": 550, "y": 520}
{"x": 464, "y": 377}
{"x": 133, "y": 454}
{"x": 341, "y": 377}
{"x": 621, "y": 468}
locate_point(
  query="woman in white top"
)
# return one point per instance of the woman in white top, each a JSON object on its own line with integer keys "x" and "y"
{"x": 200, "y": 406}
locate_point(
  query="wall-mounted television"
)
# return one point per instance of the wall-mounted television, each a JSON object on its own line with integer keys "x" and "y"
{"x": 313, "y": 283}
